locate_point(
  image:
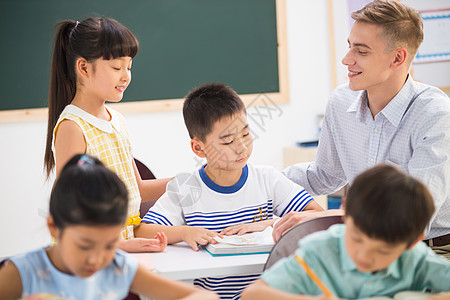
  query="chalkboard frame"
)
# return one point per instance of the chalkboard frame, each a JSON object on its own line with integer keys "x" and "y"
{"x": 150, "y": 106}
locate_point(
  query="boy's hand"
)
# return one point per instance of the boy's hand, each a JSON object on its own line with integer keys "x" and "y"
{"x": 195, "y": 236}
{"x": 157, "y": 244}
{"x": 247, "y": 227}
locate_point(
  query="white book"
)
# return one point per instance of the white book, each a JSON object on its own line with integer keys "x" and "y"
{"x": 249, "y": 243}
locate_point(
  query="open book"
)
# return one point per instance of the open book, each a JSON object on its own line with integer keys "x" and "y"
{"x": 407, "y": 295}
{"x": 249, "y": 243}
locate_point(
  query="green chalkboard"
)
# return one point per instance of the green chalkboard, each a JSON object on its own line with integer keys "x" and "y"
{"x": 183, "y": 43}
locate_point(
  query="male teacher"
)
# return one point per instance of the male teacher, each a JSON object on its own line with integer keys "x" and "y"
{"x": 382, "y": 116}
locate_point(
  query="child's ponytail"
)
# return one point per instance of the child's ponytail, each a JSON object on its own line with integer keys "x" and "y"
{"x": 90, "y": 39}
{"x": 62, "y": 85}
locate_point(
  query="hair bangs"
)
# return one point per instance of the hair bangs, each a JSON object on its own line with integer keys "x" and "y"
{"x": 117, "y": 41}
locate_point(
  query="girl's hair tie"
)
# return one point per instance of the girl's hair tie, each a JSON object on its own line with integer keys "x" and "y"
{"x": 73, "y": 29}
{"x": 85, "y": 160}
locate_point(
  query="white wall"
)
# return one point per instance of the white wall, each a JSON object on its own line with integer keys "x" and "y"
{"x": 161, "y": 140}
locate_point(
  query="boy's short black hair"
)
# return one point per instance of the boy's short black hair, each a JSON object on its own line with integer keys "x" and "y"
{"x": 390, "y": 205}
{"x": 206, "y": 105}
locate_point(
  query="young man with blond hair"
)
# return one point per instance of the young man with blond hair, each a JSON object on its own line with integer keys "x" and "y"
{"x": 382, "y": 116}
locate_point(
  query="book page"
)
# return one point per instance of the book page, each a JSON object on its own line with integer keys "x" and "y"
{"x": 248, "y": 239}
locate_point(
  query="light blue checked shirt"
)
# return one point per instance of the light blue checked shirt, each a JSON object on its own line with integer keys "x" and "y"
{"x": 412, "y": 132}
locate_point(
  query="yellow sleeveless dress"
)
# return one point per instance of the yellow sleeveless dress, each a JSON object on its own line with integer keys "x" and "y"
{"x": 110, "y": 143}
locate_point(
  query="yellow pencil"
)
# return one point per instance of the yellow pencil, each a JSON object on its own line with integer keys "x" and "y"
{"x": 314, "y": 277}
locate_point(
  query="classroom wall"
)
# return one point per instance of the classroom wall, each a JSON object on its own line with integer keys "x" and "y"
{"x": 161, "y": 140}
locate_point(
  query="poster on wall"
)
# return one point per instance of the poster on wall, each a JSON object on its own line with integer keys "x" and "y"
{"x": 436, "y": 43}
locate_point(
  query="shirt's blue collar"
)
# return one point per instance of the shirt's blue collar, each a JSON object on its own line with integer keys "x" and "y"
{"x": 224, "y": 189}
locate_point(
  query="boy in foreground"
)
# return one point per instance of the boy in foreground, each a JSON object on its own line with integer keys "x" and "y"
{"x": 377, "y": 252}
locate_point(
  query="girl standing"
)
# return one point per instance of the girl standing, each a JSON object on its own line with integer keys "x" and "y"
{"x": 92, "y": 64}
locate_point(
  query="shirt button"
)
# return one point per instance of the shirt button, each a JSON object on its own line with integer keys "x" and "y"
{"x": 371, "y": 160}
{"x": 375, "y": 130}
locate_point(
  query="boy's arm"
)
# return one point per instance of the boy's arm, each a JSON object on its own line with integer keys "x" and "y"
{"x": 192, "y": 235}
{"x": 260, "y": 290}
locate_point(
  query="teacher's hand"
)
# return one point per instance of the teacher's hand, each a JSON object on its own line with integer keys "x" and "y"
{"x": 294, "y": 218}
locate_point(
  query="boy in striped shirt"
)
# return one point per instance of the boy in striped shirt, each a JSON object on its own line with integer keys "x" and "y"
{"x": 227, "y": 195}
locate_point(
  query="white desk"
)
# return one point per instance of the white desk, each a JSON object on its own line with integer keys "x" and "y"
{"x": 180, "y": 262}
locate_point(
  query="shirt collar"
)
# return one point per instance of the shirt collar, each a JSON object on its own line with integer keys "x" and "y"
{"x": 107, "y": 126}
{"x": 393, "y": 269}
{"x": 224, "y": 189}
{"x": 397, "y": 107}
{"x": 359, "y": 105}
{"x": 346, "y": 262}
{"x": 400, "y": 103}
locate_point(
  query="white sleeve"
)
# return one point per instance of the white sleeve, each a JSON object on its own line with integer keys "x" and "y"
{"x": 287, "y": 195}
{"x": 168, "y": 210}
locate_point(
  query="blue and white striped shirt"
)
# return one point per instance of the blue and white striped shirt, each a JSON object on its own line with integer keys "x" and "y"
{"x": 195, "y": 200}
{"x": 412, "y": 132}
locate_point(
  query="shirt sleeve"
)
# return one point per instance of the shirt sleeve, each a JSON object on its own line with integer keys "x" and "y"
{"x": 288, "y": 276}
{"x": 168, "y": 210}
{"x": 26, "y": 270}
{"x": 430, "y": 160}
{"x": 287, "y": 195}
{"x": 321, "y": 177}
{"x": 125, "y": 268}
{"x": 433, "y": 271}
